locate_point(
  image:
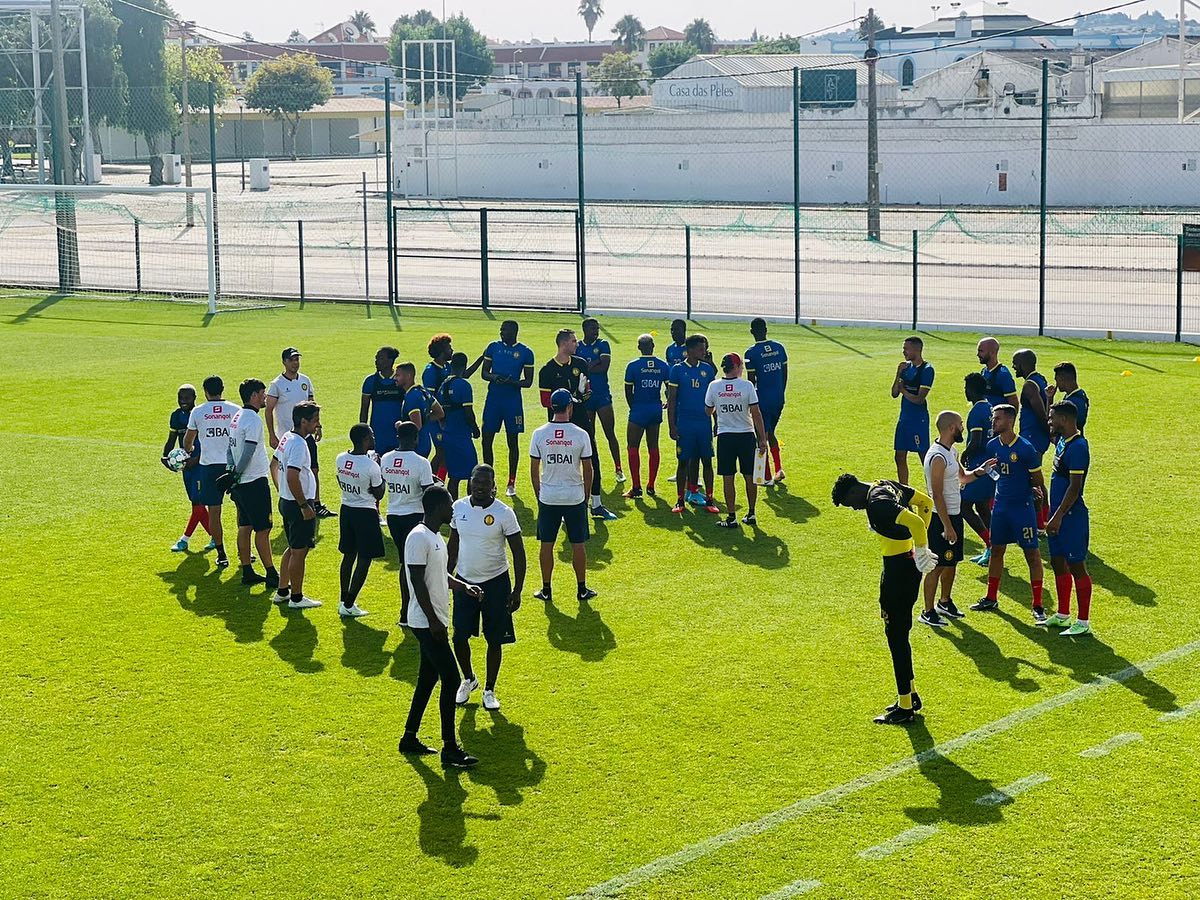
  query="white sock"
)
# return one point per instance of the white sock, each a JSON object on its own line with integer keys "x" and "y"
{"x": 595, "y": 500}
{"x": 1081, "y": 621}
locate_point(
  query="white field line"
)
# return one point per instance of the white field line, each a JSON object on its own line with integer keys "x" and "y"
{"x": 1014, "y": 790}
{"x": 1117, "y": 740}
{"x": 1182, "y": 713}
{"x": 795, "y": 889}
{"x": 899, "y": 842}
{"x": 682, "y": 857}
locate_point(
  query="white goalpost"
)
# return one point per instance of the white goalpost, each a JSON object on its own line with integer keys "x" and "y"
{"x": 104, "y": 240}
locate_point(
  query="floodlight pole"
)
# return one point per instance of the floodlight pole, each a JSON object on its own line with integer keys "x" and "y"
{"x": 90, "y": 176}
{"x": 39, "y": 125}
{"x": 873, "y": 229}
{"x": 187, "y": 121}
{"x": 64, "y": 204}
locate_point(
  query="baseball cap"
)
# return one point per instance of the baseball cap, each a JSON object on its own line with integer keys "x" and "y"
{"x": 730, "y": 361}
{"x": 561, "y": 399}
{"x": 289, "y": 353}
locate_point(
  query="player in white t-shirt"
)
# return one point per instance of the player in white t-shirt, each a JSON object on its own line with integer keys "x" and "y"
{"x": 292, "y": 469}
{"x": 290, "y": 387}
{"x": 482, "y": 532}
{"x": 209, "y": 423}
{"x": 560, "y": 465}
{"x": 425, "y": 558}
{"x": 406, "y": 476}
{"x": 733, "y": 401}
{"x": 250, "y": 486}
{"x": 361, "y": 540}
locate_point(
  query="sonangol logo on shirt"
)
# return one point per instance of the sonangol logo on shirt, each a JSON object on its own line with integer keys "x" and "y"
{"x": 216, "y": 410}
{"x": 489, "y": 519}
{"x": 728, "y": 387}
{"x": 558, "y": 433}
{"x": 349, "y": 465}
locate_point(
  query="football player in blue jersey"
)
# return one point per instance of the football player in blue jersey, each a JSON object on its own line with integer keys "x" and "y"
{"x": 678, "y": 346}
{"x": 913, "y": 381}
{"x": 644, "y": 380}
{"x": 420, "y": 407}
{"x": 186, "y": 398}
{"x": 1034, "y": 415}
{"x": 767, "y": 370}
{"x": 508, "y": 370}
{"x": 687, "y": 416}
{"x": 1066, "y": 387}
{"x": 459, "y": 428}
{"x": 598, "y": 354}
{"x": 1001, "y": 387}
{"x": 1068, "y": 527}
{"x": 977, "y": 496}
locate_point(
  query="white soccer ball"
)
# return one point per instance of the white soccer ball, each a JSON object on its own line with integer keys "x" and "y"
{"x": 177, "y": 459}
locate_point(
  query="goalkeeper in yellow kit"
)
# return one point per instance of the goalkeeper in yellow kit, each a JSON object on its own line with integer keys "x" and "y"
{"x": 900, "y": 516}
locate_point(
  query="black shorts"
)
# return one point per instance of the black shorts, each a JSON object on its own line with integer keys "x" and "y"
{"x": 360, "y": 534}
{"x": 253, "y": 502}
{"x": 899, "y": 585}
{"x": 301, "y": 533}
{"x": 400, "y": 526}
{"x": 947, "y": 554}
{"x": 552, "y": 516}
{"x": 497, "y": 619}
{"x": 312, "y": 451}
{"x": 736, "y": 451}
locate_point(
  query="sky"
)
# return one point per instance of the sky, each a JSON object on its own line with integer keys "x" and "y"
{"x": 559, "y": 19}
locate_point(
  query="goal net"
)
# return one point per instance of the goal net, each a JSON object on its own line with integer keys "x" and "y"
{"x": 97, "y": 240}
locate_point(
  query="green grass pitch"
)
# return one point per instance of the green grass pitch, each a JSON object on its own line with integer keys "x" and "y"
{"x": 704, "y": 730}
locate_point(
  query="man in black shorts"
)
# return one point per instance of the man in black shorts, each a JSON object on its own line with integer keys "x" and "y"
{"x": 292, "y": 466}
{"x": 406, "y": 476}
{"x": 247, "y": 480}
{"x": 733, "y": 402}
{"x": 361, "y": 539}
{"x": 479, "y": 531}
{"x": 900, "y": 516}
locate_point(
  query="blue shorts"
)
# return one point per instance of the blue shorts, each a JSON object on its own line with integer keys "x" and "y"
{"x": 600, "y": 398}
{"x": 503, "y": 407}
{"x": 981, "y": 490}
{"x": 1040, "y": 441}
{"x": 460, "y": 455}
{"x": 191, "y": 484}
{"x": 695, "y": 442}
{"x": 1072, "y": 539}
{"x": 645, "y": 414}
{"x": 912, "y": 435}
{"x": 771, "y": 413}
{"x": 1015, "y": 524}
{"x": 209, "y": 493}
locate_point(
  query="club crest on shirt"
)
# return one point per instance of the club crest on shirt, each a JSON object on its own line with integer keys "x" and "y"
{"x": 304, "y": 387}
{"x": 516, "y": 354}
{"x": 1013, "y": 457}
{"x": 489, "y": 519}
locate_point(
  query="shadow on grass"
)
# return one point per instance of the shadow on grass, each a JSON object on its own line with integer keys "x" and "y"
{"x": 786, "y": 505}
{"x": 297, "y": 642}
{"x": 406, "y": 658}
{"x": 362, "y": 648}
{"x": 1087, "y": 657}
{"x": 598, "y": 554}
{"x": 197, "y": 586}
{"x": 1131, "y": 362}
{"x": 36, "y": 310}
{"x": 585, "y": 635}
{"x": 749, "y": 546}
{"x": 989, "y": 659}
{"x": 442, "y": 828}
{"x": 1120, "y": 584}
{"x": 507, "y": 765}
{"x": 958, "y": 789}
{"x": 833, "y": 340}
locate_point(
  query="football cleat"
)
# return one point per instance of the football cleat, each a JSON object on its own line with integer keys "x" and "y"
{"x": 931, "y": 618}
{"x": 916, "y": 703}
{"x": 600, "y": 512}
{"x": 304, "y": 603}
{"x": 1058, "y": 620}
{"x": 620, "y": 480}
{"x": 750, "y": 519}
{"x": 947, "y": 608}
{"x": 1077, "y": 629}
{"x": 511, "y": 490}
{"x": 180, "y": 546}
{"x": 985, "y": 605}
{"x": 468, "y": 686}
{"x": 458, "y": 758}
{"x": 896, "y": 715}
{"x": 1039, "y": 615}
{"x": 410, "y": 743}
{"x": 585, "y": 595}
{"x": 490, "y": 702}
{"x": 731, "y": 522}
{"x": 354, "y": 611}
{"x": 633, "y": 494}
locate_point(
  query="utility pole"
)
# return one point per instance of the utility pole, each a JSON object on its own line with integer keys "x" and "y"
{"x": 64, "y": 167}
{"x": 184, "y": 30}
{"x": 873, "y": 230}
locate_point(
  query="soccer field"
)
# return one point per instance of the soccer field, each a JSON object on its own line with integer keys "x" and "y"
{"x": 702, "y": 729}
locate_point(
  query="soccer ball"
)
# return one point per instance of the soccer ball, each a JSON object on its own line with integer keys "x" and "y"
{"x": 177, "y": 459}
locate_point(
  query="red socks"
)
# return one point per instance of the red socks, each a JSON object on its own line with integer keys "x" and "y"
{"x": 1037, "y": 592}
{"x": 635, "y": 467}
{"x": 653, "y": 468}
{"x": 986, "y": 537}
{"x": 1062, "y": 586}
{"x": 441, "y": 473}
{"x": 1083, "y": 587}
{"x": 775, "y": 456}
{"x": 1043, "y": 515}
{"x": 993, "y": 588}
{"x": 199, "y": 517}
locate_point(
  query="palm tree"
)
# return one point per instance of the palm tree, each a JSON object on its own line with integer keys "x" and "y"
{"x": 700, "y": 35}
{"x": 295, "y": 37}
{"x": 363, "y": 22}
{"x": 591, "y": 10}
{"x": 864, "y": 26}
{"x": 630, "y": 33}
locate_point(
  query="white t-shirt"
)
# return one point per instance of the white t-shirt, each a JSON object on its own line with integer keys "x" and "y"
{"x": 951, "y": 487}
{"x": 732, "y": 399}
{"x": 287, "y": 393}
{"x": 356, "y": 475}
{"x": 247, "y": 428}
{"x": 406, "y": 474}
{"x": 561, "y": 446}
{"x": 292, "y": 453}
{"x": 211, "y": 421}
{"x": 426, "y": 548}
{"x": 483, "y": 533}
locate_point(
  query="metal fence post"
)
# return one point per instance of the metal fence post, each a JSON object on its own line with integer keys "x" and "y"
{"x": 582, "y": 210}
{"x": 796, "y": 186}
{"x": 914, "y": 270}
{"x": 578, "y": 274}
{"x": 366, "y": 245}
{"x": 389, "y": 223}
{"x": 212, "y": 154}
{"x": 137, "y": 253}
{"x": 1042, "y": 204}
{"x": 687, "y": 254}
{"x": 1178, "y": 288}
{"x": 300, "y": 248}
{"x": 483, "y": 258}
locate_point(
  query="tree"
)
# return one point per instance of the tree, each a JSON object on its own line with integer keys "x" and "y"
{"x": 363, "y": 22}
{"x": 150, "y": 111}
{"x": 630, "y": 33}
{"x": 619, "y": 76}
{"x": 864, "y": 27}
{"x": 108, "y": 89}
{"x": 591, "y": 10}
{"x": 296, "y": 37}
{"x": 700, "y": 35}
{"x": 204, "y": 67}
{"x": 288, "y": 86}
{"x": 247, "y": 37}
{"x": 473, "y": 60}
{"x": 668, "y": 57}
{"x": 16, "y": 97}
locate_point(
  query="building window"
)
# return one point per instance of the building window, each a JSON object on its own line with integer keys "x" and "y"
{"x": 505, "y": 92}
{"x": 572, "y": 68}
{"x": 524, "y": 94}
{"x": 535, "y": 70}
{"x": 907, "y": 71}
{"x": 556, "y": 70}
{"x": 543, "y": 93}
{"x": 562, "y": 92}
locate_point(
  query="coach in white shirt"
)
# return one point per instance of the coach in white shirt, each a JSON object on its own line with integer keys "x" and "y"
{"x": 480, "y": 529}
{"x": 294, "y": 477}
{"x": 733, "y": 401}
{"x": 290, "y": 387}
{"x": 251, "y": 489}
{"x": 560, "y": 464}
